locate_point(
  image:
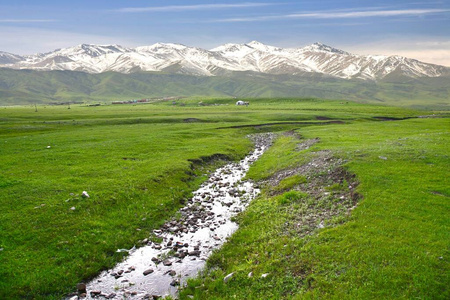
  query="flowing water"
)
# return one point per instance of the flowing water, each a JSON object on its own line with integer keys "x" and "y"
{"x": 205, "y": 223}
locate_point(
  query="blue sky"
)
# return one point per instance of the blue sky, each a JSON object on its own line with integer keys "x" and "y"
{"x": 414, "y": 28}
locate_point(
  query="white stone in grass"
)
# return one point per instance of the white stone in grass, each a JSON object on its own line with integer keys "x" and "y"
{"x": 48, "y": 147}
{"x": 382, "y": 157}
{"x": 85, "y": 194}
{"x": 264, "y": 275}
{"x": 250, "y": 275}
{"x": 227, "y": 278}
{"x": 72, "y": 208}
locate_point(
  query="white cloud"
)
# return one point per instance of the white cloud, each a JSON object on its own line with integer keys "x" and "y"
{"x": 338, "y": 14}
{"x": 179, "y": 8}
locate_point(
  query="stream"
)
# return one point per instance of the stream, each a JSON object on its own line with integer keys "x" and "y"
{"x": 204, "y": 224}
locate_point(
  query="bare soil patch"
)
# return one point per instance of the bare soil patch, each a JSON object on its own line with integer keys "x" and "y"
{"x": 330, "y": 189}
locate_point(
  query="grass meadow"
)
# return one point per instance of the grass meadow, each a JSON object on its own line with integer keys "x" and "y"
{"x": 139, "y": 163}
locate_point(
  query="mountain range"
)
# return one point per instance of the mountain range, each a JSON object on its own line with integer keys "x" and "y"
{"x": 224, "y": 60}
{"x": 93, "y": 73}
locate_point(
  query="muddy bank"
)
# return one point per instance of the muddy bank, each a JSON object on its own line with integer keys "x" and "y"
{"x": 329, "y": 185}
{"x": 179, "y": 249}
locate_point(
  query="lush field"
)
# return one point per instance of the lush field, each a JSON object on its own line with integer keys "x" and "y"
{"x": 19, "y": 87}
{"x": 393, "y": 245}
{"x": 139, "y": 163}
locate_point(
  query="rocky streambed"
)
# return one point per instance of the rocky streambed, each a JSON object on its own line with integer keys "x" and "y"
{"x": 158, "y": 269}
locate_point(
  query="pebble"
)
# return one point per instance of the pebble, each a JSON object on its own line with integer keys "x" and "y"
{"x": 95, "y": 293}
{"x": 194, "y": 253}
{"x": 228, "y": 277}
{"x": 149, "y": 271}
{"x": 81, "y": 288}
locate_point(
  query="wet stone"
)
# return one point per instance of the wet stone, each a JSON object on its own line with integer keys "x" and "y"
{"x": 167, "y": 262}
{"x": 81, "y": 288}
{"x": 195, "y": 253}
{"x": 148, "y": 271}
{"x": 95, "y": 293}
{"x": 175, "y": 283}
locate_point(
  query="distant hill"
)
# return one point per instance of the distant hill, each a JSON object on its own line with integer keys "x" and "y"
{"x": 28, "y": 86}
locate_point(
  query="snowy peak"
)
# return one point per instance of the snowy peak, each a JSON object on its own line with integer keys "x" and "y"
{"x": 319, "y": 47}
{"x": 262, "y": 47}
{"x": 94, "y": 51}
{"x": 253, "y": 56}
{"x": 90, "y": 50}
{"x": 249, "y": 47}
{"x": 161, "y": 47}
{"x": 9, "y": 58}
{"x": 229, "y": 47}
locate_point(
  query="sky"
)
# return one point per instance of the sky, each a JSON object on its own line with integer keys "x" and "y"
{"x": 417, "y": 29}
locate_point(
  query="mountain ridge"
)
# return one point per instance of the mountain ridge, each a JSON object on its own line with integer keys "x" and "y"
{"x": 253, "y": 56}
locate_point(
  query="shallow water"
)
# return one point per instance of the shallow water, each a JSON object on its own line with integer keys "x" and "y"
{"x": 204, "y": 225}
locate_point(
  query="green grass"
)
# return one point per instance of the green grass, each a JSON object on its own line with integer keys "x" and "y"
{"x": 138, "y": 164}
{"x": 136, "y": 176}
{"x": 394, "y": 245}
{"x": 289, "y": 182}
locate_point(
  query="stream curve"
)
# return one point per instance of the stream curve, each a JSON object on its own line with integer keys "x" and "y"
{"x": 205, "y": 223}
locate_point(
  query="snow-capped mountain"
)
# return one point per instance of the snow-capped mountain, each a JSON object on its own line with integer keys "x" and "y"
{"x": 8, "y": 58}
{"x": 254, "y": 56}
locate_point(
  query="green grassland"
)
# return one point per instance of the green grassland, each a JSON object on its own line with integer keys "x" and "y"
{"x": 139, "y": 163}
{"x": 394, "y": 245}
{"x": 19, "y": 87}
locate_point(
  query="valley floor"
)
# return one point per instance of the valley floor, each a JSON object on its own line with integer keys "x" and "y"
{"x": 351, "y": 207}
